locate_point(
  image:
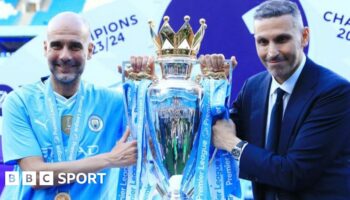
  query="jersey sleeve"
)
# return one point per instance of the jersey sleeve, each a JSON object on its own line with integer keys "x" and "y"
{"x": 19, "y": 140}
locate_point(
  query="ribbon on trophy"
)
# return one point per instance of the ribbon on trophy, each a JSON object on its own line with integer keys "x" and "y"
{"x": 135, "y": 98}
{"x": 136, "y": 182}
{"x": 201, "y": 174}
{"x": 220, "y": 176}
{"x": 129, "y": 99}
{"x": 222, "y": 173}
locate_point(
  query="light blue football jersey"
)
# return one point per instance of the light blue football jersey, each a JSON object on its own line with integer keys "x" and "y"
{"x": 26, "y": 133}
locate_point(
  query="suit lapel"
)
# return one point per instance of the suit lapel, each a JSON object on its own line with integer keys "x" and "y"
{"x": 300, "y": 97}
{"x": 259, "y": 101}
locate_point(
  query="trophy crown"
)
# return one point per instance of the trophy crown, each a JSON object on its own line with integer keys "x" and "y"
{"x": 182, "y": 43}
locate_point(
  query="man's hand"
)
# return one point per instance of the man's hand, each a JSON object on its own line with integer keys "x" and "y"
{"x": 216, "y": 63}
{"x": 141, "y": 67}
{"x": 142, "y": 63}
{"x": 224, "y": 135}
{"x": 124, "y": 153}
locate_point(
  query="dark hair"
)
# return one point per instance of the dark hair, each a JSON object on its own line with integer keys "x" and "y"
{"x": 277, "y": 8}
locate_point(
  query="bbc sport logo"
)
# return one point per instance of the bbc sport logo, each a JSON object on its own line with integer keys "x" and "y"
{"x": 46, "y": 178}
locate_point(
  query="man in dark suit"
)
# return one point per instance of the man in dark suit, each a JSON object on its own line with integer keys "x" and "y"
{"x": 291, "y": 129}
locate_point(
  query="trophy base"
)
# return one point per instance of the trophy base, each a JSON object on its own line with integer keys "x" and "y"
{"x": 174, "y": 188}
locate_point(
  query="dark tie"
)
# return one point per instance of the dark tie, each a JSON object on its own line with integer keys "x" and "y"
{"x": 273, "y": 135}
{"x": 275, "y": 122}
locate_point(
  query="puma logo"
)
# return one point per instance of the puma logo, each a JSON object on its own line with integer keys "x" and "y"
{"x": 43, "y": 124}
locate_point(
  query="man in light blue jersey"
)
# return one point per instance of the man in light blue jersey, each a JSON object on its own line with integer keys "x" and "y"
{"x": 64, "y": 127}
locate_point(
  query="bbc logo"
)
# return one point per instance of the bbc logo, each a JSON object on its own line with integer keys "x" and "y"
{"x": 46, "y": 178}
{"x": 29, "y": 178}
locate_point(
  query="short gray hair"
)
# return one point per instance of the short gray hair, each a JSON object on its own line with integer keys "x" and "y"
{"x": 277, "y": 8}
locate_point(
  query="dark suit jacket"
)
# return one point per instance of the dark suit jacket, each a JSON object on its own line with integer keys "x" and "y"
{"x": 313, "y": 158}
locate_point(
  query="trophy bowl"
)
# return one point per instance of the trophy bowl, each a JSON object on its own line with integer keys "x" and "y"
{"x": 174, "y": 113}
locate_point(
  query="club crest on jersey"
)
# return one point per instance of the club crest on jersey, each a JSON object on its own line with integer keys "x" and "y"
{"x": 95, "y": 123}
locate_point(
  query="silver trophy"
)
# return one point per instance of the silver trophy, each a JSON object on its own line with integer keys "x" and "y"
{"x": 172, "y": 111}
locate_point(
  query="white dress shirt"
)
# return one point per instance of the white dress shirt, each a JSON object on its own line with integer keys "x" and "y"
{"x": 288, "y": 87}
